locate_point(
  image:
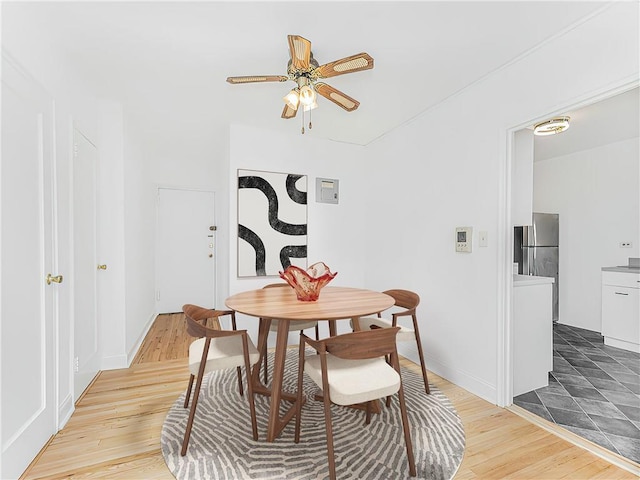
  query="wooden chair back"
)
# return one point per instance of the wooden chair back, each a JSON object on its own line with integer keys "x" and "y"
{"x": 197, "y": 317}
{"x": 363, "y": 344}
{"x": 404, "y": 298}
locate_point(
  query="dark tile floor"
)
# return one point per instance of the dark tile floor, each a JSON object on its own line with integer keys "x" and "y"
{"x": 594, "y": 391}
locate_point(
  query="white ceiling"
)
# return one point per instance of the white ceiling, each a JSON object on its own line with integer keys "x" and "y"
{"x": 167, "y": 61}
{"x": 611, "y": 120}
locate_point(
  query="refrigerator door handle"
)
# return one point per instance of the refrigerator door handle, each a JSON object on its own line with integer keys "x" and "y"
{"x": 528, "y": 255}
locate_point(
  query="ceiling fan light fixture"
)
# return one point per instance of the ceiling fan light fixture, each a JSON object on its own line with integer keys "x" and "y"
{"x": 305, "y": 71}
{"x": 307, "y": 95}
{"x": 313, "y": 106}
{"x": 551, "y": 127}
{"x": 292, "y": 99}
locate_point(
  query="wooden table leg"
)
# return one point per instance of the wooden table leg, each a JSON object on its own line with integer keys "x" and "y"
{"x": 276, "y": 424}
{"x": 356, "y": 324}
{"x": 263, "y": 333}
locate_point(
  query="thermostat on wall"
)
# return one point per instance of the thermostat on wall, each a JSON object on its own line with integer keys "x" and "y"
{"x": 464, "y": 236}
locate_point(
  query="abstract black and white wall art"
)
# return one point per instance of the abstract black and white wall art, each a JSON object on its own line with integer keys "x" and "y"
{"x": 272, "y": 222}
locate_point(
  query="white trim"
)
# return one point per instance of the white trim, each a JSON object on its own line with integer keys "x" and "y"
{"x": 114, "y": 362}
{"x": 65, "y": 410}
{"x": 463, "y": 379}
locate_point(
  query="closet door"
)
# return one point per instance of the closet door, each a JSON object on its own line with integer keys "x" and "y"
{"x": 29, "y": 282}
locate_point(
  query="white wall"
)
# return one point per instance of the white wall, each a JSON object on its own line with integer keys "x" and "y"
{"x": 595, "y": 192}
{"x": 449, "y": 168}
{"x": 336, "y": 233}
{"x": 196, "y": 163}
{"x": 139, "y": 241}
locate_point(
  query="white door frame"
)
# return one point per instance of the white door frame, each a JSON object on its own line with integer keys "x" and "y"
{"x": 504, "y": 354}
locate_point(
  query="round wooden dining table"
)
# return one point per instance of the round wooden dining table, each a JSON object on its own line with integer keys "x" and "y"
{"x": 334, "y": 303}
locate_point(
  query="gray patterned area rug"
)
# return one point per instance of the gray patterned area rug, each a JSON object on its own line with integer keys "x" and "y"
{"x": 222, "y": 447}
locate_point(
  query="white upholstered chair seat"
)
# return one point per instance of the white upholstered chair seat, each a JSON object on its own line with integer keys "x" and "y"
{"x": 354, "y": 381}
{"x": 224, "y": 352}
{"x": 405, "y": 333}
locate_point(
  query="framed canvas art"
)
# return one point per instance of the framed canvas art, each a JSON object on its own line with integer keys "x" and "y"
{"x": 272, "y": 222}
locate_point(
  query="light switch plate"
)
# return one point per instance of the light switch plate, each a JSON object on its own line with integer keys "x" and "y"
{"x": 483, "y": 240}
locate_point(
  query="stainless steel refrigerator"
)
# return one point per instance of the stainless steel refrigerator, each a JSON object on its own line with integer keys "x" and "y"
{"x": 536, "y": 250}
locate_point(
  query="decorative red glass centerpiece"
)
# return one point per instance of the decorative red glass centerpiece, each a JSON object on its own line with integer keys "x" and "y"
{"x": 307, "y": 283}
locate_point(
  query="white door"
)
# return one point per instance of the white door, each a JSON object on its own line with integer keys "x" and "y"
{"x": 27, "y": 256}
{"x": 85, "y": 312}
{"x": 185, "y": 256}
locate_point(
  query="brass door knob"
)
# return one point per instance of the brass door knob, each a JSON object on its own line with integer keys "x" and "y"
{"x": 51, "y": 279}
{"x": 102, "y": 267}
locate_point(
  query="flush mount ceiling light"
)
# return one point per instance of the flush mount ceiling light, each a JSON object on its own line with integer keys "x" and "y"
{"x": 305, "y": 71}
{"x": 551, "y": 127}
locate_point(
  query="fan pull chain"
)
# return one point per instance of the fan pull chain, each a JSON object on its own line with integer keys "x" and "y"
{"x": 303, "y": 121}
{"x": 309, "y": 119}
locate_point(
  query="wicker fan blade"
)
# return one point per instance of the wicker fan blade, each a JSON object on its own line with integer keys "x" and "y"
{"x": 337, "y": 97}
{"x": 257, "y": 78}
{"x": 288, "y": 112}
{"x": 300, "y": 49}
{"x": 354, "y": 63}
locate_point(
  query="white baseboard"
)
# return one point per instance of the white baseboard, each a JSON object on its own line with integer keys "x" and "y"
{"x": 134, "y": 350}
{"x": 464, "y": 380}
{"x": 65, "y": 410}
{"x": 114, "y": 362}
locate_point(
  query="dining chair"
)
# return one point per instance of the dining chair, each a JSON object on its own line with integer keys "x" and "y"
{"x": 216, "y": 349}
{"x": 408, "y": 301}
{"x": 351, "y": 370}
{"x": 274, "y": 328}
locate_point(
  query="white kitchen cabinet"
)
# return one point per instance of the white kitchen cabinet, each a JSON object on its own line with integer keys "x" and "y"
{"x": 621, "y": 308}
{"x": 532, "y": 332}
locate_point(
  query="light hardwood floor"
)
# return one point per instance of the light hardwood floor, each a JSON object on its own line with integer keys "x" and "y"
{"x": 114, "y": 432}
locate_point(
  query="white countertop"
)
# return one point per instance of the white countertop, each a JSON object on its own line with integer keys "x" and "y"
{"x": 524, "y": 280}
{"x": 621, "y": 269}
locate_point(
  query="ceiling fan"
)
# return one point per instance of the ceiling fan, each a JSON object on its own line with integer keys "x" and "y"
{"x": 305, "y": 71}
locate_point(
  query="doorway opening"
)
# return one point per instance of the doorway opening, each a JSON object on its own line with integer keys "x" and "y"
{"x": 589, "y": 380}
